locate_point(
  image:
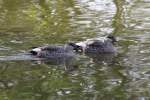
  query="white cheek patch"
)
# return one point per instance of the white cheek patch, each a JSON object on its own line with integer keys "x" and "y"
{"x": 82, "y": 44}
{"x": 36, "y": 49}
{"x": 102, "y": 39}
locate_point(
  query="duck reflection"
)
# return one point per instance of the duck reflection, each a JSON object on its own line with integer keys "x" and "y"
{"x": 68, "y": 62}
{"x": 101, "y": 58}
{"x": 72, "y": 62}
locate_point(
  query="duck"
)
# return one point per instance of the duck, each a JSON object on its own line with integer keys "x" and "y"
{"x": 100, "y": 45}
{"x": 94, "y": 45}
{"x": 53, "y": 51}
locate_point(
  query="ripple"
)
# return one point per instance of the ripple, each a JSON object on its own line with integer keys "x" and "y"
{"x": 2, "y": 48}
{"x": 99, "y": 5}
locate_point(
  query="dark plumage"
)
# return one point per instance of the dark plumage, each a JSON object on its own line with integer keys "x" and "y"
{"x": 51, "y": 51}
{"x": 95, "y": 45}
{"x": 98, "y": 45}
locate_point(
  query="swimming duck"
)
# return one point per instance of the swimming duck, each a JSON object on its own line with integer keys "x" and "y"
{"x": 53, "y": 51}
{"x": 97, "y": 45}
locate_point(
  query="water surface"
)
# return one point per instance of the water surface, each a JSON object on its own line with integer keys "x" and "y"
{"x": 123, "y": 76}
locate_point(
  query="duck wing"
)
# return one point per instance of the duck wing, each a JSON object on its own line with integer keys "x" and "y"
{"x": 46, "y": 49}
{"x": 52, "y": 48}
{"x": 96, "y": 43}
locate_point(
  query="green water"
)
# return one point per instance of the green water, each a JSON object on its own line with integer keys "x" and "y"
{"x": 125, "y": 76}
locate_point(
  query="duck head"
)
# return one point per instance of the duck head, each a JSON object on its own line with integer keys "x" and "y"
{"x": 112, "y": 38}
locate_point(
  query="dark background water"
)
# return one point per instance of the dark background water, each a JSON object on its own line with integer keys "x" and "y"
{"x": 125, "y": 76}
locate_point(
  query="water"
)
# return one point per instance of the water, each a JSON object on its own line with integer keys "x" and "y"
{"x": 123, "y": 76}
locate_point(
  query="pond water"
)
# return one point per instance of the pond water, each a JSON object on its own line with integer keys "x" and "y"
{"x": 124, "y": 76}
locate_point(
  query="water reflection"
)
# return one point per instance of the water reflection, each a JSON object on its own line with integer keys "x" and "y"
{"x": 69, "y": 62}
{"x": 118, "y": 22}
{"x": 102, "y": 58}
{"x": 39, "y": 22}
